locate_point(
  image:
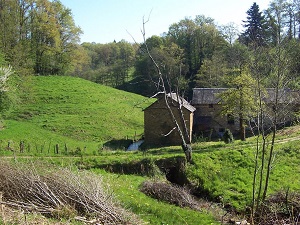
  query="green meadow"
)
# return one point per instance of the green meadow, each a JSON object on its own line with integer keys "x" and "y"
{"x": 89, "y": 125}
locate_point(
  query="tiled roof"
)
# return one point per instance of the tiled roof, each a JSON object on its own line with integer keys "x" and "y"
{"x": 206, "y": 95}
{"x": 209, "y": 96}
{"x": 184, "y": 103}
{"x": 284, "y": 96}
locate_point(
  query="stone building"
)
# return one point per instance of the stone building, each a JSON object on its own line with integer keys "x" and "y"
{"x": 159, "y": 127}
{"x": 208, "y": 120}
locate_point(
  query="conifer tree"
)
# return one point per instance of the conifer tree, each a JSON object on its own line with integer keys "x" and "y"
{"x": 255, "y": 27}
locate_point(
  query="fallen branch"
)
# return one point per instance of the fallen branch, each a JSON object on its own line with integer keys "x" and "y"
{"x": 60, "y": 193}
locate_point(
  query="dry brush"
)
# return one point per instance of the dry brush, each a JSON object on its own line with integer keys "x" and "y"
{"x": 60, "y": 193}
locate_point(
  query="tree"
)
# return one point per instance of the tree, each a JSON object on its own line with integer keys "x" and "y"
{"x": 53, "y": 37}
{"x": 38, "y": 36}
{"x": 255, "y": 27}
{"x": 64, "y": 61}
{"x": 212, "y": 72}
{"x": 170, "y": 57}
{"x": 164, "y": 87}
{"x": 199, "y": 38}
{"x": 239, "y": 101}
{"x": 283, "y": 18}
{"x": 5, "y": 73}
{"x": 110, "y": 64}
{"x": 230, "y": 32}
{"x": 275, "y": 68}
{"x": 236, "y": 57}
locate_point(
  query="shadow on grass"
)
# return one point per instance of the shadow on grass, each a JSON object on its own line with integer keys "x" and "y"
{"x": 114, "y": 144}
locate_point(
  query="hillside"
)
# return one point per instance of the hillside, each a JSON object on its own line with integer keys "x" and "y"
{"x": 72, "y": 109}
{"x": 80, "y": 116}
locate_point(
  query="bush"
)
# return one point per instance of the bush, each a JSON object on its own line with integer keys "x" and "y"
{"x": 60, "y": 193}
{"x": 227, "y": 137}
{"x": 280, "y": 208}
{"x": 169, "y": 193}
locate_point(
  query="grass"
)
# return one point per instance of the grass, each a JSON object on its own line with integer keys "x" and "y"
{"x": 126, "y": 189}
{"x": 83, "y": 110}
{"x": 83, "y": 116}
{"x": 39, "y": 141}
{"x": 79, "y": 113}
{"x": 226, "y": 172}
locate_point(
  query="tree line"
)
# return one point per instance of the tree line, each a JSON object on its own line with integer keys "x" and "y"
{"x": 199, "y": 53}
{"x": 40, "y": 37}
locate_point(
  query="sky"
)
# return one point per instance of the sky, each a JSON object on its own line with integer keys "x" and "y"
{"x": 105, "y": 21}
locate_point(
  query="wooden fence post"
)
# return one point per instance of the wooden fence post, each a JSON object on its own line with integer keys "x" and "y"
{"x": 56, "y": 149}
{"x": 66, "y": 148}
{"x": 22, "y": 146}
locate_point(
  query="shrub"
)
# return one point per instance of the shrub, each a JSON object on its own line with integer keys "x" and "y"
{"x": 169, "y": 193}
{"x": 60, "y": 193}
{"x": 227, "y": 137}
{"x": 281, "y": 208}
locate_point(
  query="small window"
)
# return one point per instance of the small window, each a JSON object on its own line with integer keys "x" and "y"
{"x": 230, "y": 119}
{"x": 210, "y": 106}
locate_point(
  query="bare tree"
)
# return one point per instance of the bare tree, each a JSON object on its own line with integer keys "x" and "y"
{"x": 275, "y": 107}
{"x": 5, "y": 73}
{"x": 163, "y": 85}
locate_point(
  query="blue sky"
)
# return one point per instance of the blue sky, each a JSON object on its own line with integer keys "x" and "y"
{"x": 104, "y": 21}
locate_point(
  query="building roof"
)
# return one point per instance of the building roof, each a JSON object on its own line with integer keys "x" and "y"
{"x": 179, "y": 99}
{"x": 284, "y": 96}
{"x": 209, "y": 95}
{"x": 206, "y": 95}
{"x": 182, "y": 101}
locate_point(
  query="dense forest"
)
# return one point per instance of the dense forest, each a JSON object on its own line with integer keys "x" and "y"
{"x": 39, "y": 37}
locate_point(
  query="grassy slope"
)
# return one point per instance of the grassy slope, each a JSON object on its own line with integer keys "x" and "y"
{"x": 69, "y": 110}
{"x": 226, "y": 171}
{"x": 80, "y": 113}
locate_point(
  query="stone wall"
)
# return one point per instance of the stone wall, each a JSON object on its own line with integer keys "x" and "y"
{"x": 158, "y": 123}
{"x": 209, "y": 121}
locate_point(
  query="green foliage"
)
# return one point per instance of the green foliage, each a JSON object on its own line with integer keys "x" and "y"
{"x": 40, "y": 36}
{"x": 227, "y": 136}
{"x": 110, "y": 64}
{"x": 255, "y": 27}
{"x": 8, "y": 90}
{"x": 240, "y": 99}
{"x": 2, "y": 59}
{"x": 169, "y": 58}
{"x": 199, "y": 38}
{"x": 212, "y": 72}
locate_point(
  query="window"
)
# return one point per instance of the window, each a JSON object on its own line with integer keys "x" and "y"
{"x": 230, "y": 119}
{"x": 210, "y": 106}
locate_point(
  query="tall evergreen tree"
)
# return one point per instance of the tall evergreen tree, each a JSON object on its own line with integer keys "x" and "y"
{"x": 254, "y": 35}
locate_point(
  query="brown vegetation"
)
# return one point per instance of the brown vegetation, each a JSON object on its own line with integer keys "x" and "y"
{"x": 60, "y": 193}
{"x": 281, "y": 208}
{"x": 170, "y": 193}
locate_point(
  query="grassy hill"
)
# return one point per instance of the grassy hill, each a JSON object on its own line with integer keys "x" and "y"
{"x": 83, "y": 116}
{"x": 74, "y": 111}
